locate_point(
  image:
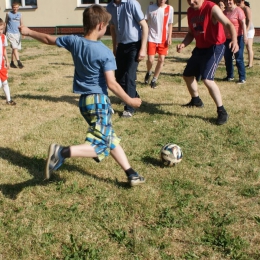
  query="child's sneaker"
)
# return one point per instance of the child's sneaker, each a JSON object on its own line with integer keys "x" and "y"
{"x": 135, "y": 179}
{"x": 147, "y": 77}
{"x": 12, "y": 65}
{"x": 55, "y": 160}
{"x": 20, "y": 65}
{"x": 153, "y": 84}
{"x": 10, "y": 103}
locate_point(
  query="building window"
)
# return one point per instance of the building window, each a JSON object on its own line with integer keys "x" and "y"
{"x": 85, "y": 3}
{"x": 23, "y": 3}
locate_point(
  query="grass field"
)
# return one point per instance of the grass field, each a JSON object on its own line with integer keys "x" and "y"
{"x": 206, "y": 207}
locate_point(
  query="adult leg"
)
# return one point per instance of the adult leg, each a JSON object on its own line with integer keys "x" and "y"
{"x": 121, "y": 66}
{"x": 250, "y": 52}
{"x": 214, "y": 91}
{"x": 229, "y": 61}
{"x": 131, "y": 62}
{"x": 192, "y": 86}
{"x": 240, "y": 58}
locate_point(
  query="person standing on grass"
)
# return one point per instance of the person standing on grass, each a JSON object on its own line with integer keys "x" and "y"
{"x": 94, "y": 73}
{"x": 250, "y": 31}
{"x": 237, "y": 18}
{"x": 129, "y": 33}
{"x": 206, "y": 21}
{"x": 4, "y": 65}
{"x": 13, "y": 21}
{"x": 159, "y": 17}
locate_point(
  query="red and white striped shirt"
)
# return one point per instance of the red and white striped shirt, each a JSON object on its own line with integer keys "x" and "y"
{"x": 158, "y": 19}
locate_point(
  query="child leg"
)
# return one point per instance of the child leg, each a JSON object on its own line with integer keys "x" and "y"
{"x": 120, "y": 157}
{"x": 7, "y": 93}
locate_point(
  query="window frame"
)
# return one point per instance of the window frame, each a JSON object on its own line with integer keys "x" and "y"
{"x": 79, "y": 4}
{"x": 22, "y": 6}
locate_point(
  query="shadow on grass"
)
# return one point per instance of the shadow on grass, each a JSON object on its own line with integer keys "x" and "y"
{"x": 149, "y": 108}
{"x": 35, "y": 167}
{"x": 73, "y": 100}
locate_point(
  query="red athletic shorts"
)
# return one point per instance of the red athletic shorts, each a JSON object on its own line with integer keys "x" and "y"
{"x": 160, "y": 48}
{"x": 3, "y": 73}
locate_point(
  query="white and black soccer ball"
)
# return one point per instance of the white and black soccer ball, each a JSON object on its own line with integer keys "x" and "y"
{"x": 171, "y": 154}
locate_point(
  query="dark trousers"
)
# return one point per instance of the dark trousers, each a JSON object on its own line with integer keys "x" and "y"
{"x": 127, "y": 63}
{"x": 239, "y": 57}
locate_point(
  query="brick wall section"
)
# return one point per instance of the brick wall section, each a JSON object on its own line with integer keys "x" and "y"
{"x": 79, "y": 30}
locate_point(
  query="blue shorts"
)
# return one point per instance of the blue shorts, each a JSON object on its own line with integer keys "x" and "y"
{"x": 204, "y": 62}
{"x": 97, "y": 111}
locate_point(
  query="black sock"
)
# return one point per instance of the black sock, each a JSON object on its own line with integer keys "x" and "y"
{"x": 65, "y": 152}
{"x": 221, "y": 108}
{"x": 129, "y": 172}
{"x": 196, "y": 99}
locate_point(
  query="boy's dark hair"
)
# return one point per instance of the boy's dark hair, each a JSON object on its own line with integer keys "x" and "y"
{"x": 92, "y": 16}
{"x": 247, "y": 3}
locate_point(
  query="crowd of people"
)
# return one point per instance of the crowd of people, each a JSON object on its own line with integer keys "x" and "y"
{"x": 223, "y": 32}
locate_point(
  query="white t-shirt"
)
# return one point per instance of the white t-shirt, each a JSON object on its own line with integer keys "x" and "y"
{"x": 158, "y": 19}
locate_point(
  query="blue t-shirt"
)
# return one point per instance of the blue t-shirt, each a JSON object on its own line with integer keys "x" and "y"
{"x": 126, "y": 18}
{"x": 13, "y": 22}
{"x": 91, "y": 60}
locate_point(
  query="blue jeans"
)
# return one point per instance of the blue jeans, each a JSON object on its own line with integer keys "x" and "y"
{"x": 239, "y": 57}
{"x": 127, "y": 63}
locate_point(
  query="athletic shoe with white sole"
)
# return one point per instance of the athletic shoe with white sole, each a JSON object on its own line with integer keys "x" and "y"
{"x": 135, "y": 179}
{"x": 127, "y": 114}
{"x": 54, "y": 161}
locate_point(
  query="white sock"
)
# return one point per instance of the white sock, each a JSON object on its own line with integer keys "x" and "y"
{"x": 6, "y": 90}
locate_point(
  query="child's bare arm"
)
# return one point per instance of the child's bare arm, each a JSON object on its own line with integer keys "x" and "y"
{"x": 6, "y": 58}
{"x": 118, "y": 91}
{"x": 41, "y": 37}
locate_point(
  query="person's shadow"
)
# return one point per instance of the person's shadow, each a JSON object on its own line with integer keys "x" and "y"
{"x": 36, "y": 167}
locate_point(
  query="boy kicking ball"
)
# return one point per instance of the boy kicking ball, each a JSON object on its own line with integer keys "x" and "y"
{"x": 94, "y": 73}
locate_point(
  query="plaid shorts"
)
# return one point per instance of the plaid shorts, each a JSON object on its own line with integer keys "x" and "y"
{"x": 97, "y": 111}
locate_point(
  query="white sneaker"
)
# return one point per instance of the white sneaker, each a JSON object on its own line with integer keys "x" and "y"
{"x": 127, "y": 114}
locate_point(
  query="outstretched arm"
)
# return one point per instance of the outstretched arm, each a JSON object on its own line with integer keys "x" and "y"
{"x": 41, "y": 37}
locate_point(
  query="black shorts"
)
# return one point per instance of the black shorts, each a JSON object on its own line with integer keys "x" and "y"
{"x": 204, "y": 62}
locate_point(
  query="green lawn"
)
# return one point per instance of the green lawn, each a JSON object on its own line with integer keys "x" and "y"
{"x": 206, "y": 207}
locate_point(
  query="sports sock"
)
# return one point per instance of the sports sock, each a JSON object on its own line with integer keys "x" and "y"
{"x": 154, "y": 79}
{"x": 65, "y": 152}
{"x": 221, "y": 108}
{"x": 7, "y": 91}
{"x": 196, "y": 99}
{"x": 130, "y": 171}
